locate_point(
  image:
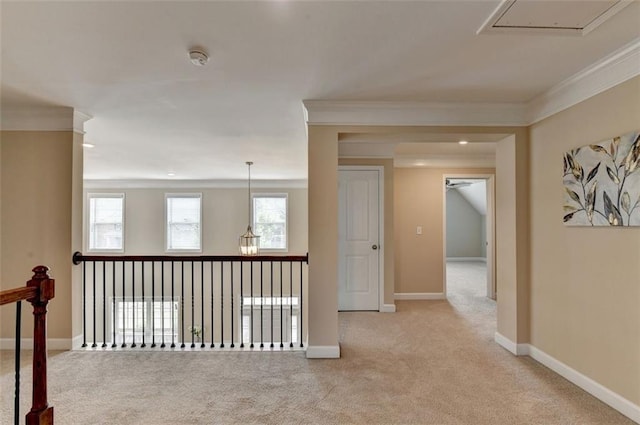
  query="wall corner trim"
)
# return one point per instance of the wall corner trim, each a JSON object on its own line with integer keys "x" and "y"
{"x": 419, "y": 296}
{"x": 616, "y": 401}
{"x": 510, "y": 346}
{"x": 323, "y": 352}
{"x": 388, "y": 308}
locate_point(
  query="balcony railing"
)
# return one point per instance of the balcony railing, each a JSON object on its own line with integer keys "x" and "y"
{"x": 196, "y": 302}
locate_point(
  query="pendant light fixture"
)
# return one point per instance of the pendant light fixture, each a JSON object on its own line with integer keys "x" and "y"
{"x": 249, "y": 242}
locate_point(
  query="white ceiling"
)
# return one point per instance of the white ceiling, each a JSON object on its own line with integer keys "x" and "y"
{"x": 126, "y": 64}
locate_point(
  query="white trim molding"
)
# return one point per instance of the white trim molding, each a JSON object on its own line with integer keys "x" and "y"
{"x": 54, "y": 118}
{"x": 608, "y": 72}
{"x": 388, "y": 308}
{"x": 27, "y": 343}
{"x": 510, "y": 346}
{"x": 615, "y": 400}
{"x": 613, "y": 69}
{"x": 323, "y": 352}
{"x": 419, "y": 296}
{"x": 327, "y": 112}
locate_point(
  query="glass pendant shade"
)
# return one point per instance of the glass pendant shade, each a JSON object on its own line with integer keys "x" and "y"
{"x": 249, "y": 242}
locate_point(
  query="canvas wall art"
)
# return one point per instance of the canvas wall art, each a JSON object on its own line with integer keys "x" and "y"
{"x": 602, "y": 183}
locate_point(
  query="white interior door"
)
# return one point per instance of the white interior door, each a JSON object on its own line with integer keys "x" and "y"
{"x": 358, "y": 240}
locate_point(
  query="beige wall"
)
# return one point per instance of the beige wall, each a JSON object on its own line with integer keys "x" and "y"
{"x": 38, "y": 219}
{"x": 224, "y": 219}
{"x": 585, "y": 282}
{"x": 389, "y": 248}
{"x": 419, "y": 201}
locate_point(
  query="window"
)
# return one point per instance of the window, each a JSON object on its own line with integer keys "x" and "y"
{"x": 106, "y": 222}
{"x": 153, "y": 319}
{"x": 183, "y": 222}
{"x": 270, "y": 319}
{"x": 270, "y": 220}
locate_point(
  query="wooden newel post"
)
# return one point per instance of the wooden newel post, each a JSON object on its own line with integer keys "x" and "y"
{"x": 41, "y": 413}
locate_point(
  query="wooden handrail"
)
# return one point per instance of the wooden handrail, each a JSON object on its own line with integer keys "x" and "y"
{"x": 17, "y": 294}
{"x": 39, "y": 290}
{"x": 78, "y": 258}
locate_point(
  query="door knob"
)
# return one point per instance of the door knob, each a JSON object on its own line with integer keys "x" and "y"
{"x": 374, "y": 246}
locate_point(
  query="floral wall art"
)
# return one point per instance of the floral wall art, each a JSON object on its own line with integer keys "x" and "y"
{"x": 602, "y": 183}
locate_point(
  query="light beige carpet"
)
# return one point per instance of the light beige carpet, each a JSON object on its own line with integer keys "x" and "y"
{"x": 432, "y": 362}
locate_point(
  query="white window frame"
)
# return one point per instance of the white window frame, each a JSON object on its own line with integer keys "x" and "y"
{"x": 88, "y": 218}
{"x": 166, "y": 221}
{"x": 144, "y": 307}
{"x": 286, "y": 220}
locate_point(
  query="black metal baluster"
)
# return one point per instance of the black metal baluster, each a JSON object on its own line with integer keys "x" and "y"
{"x": 221, "y": 304}
{"x": 300, "y": 309}
{"x": 182, "y": 303}
{"x": 193, "y": 306}
{"x": 153, "y": 304}
{"x": 281, "y": 300}
{"x": 202, "y": 304}
{"x": 162, "y": 300}
{"x": 104, "y": 304}
{"x": 241, "y": 324}
{"x": 261, "y": 305}
{"x": 271, "y": 303}
{"x": 94, "y": 345}
{"x": 173, "y": 320}
{"x": 16, "y": 402}
{"x": 133, "y": 303}
{"x": 291, "y": 303}
{"x": 124, "y": 308}
{"x": 232, "y": 333}
{"x": 84, "y": 304}
{"x": 145, "y": 313}
{"x": 212, "y": 289}
{"x": 252, "y": 304}
{"x": 113, "y": 302}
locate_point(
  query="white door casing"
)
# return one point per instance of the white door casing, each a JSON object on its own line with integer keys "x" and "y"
{"x": 359, "y": 242}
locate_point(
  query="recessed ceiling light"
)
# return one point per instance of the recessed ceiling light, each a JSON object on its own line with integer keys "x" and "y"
{"x": 171, "y": 174}
{"x": 88, "y": 145}
{"x": 463, "y": 142}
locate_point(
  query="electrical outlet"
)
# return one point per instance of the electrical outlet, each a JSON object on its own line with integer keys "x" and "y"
{"x": 419, "y": 230}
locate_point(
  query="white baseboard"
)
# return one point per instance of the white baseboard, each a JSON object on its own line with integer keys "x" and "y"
{"x": 510, "y": 346}
{"x": 621, "y": 404}
{"x": 323, "y": 352}
{"x": 76, "y": 342}
{"x": 27, "y": 344}
{"x": 388, "y": 308}
{"x": 419, "y": 296}
{"x": 454, "y": 259}
{"x": 616, "y": 401}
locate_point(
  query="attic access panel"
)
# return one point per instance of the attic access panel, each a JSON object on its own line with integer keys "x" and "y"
{"x": 577, "y": 17}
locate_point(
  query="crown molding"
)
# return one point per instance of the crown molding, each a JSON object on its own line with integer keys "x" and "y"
{"x": 43, "y": 118}
{"x": 608, "y": 72}
{"x": 328, "y": 112}
{"x": 193, "y": 184}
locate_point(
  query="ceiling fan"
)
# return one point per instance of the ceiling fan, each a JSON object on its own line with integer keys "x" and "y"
{"x": 454, "y": 185}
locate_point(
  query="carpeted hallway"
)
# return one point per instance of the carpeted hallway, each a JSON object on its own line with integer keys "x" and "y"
{"x": 432, "y": 362}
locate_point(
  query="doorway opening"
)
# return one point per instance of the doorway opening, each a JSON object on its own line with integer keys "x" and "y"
{"x": 469, "y": 238}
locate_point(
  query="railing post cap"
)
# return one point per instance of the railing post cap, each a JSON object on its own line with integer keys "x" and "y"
{"x": 40, "y": 272}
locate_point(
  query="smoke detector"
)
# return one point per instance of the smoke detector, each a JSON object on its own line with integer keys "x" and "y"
{"x": 198, "y": 57}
